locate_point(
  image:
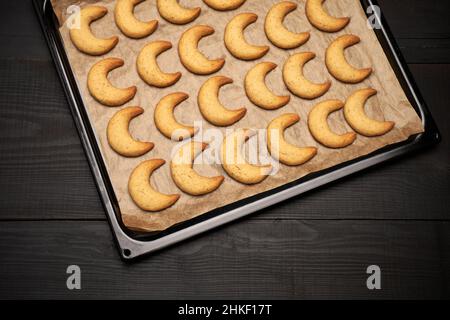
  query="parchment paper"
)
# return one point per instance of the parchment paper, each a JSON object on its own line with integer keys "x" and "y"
{"x": 391, "y": 103}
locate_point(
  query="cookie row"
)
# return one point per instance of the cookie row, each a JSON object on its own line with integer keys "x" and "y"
{"x": 234, "y": 164}
{"x": 173, "y": 12}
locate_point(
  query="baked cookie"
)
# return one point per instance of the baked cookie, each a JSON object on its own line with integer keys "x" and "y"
{"x": 224, "y": 5}
{"x": 191, "y": 57}
{"x": 320, "y": 130}
{"x": 356, "y": 117}
{"x": 148, "y": 68}
{"x": 166, "y": 122}
{"x": 320, "y": 19}
{"x": 283, "y": 151}
{"x": 184, "y": 175}
{"x": 143, "y": 194}
{"x": 257, "y": 90}
{"x": 235, "y": 39}
{"x": 119, "y": 137}
{"x": 172, "y": 11}
{"x": 338, "y": 65}
{"x": 127, "y": 22}
{"x": 210, "y": 106}
{"x": 82, "y": 37}
{"x": 102, "y": 90}
{"x": 277, "y": 33}
{"x": 295, "y": 80}
{"x": 234, "y": 163}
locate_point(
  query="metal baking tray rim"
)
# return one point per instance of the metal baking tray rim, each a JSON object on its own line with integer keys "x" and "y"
{"x": 131, "y": 247}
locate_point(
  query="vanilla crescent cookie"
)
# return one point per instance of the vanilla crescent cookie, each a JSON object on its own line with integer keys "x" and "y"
{"x": 143, "y": 194}
{"x": 283, "y": 151}
{"x": 82, "y": 37}
{"x": 172, "y": 11}
{"x": 165, "y": 120}
{"x": 119, "y": 137}
{"x": 184, "y": 175}
{"x": 277, "y": 33}
{"x": 257, "y": 90}
{"x": 356, "y": 117}
{"x": 320, "y": 19}
{"x": 338, "y": 65}
{"x": 127, "y": 22}
{"x": 148, "y": 68}
{"x": 320, "y": 130}
{"x": 191, "y": 57}
{"x": 234, "y": 163}
{"x": 295, "y": 80}
{"x": 224, "y": 5}
{"x": 210, "y": 106}
{"x": 101, "y": 88}
{"x": 235, "y": 39}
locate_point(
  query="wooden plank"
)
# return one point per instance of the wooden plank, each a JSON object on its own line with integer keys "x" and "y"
{"x": 45, "y": 174}
{"x": 419, "y": 26}
{"x": 249, "y": 260}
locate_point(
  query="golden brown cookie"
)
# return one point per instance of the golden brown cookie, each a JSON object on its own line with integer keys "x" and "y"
{"x": 320, "y": 130}
{"x": 320, "y": 19}
{"x": 172, "y": 11}
{"x": 283, "y": 151}
{"x": 338, "y": 65}
{"x": 234, "y": 163}
{"x": 277, "y": 33}
{"x": 357, "y": 118}
{"x": 191, "y": 57}
{"x": 82, "y": 37}
{"x": 102, "y": 90}
{"x": 166, "y": 122}
{"x": 235, "y": 39}
{"x": 148, "y": 68}
{"x": 224, "y": 5}
{"x": 210, "y": 106}
{"x": 184, "y": 175}
{"x": 257, "y": 90}
{"x": 143, "y": 194}
{"x": 295, "y": 80}
{"x": 127, "y": 22}
{"x": 119, "y": 136}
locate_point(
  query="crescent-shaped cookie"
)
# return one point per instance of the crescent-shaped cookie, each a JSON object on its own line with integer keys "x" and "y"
{"x": 165, "y": 120}
{"x": 148, "y": 68}
{"x": 119, "y": 136}
{"x": 283, "y": 151}
{"x": 235, "y": 39}
{"x": 295, "y": 80}
{"x": 224, "y": 5}
{"x": 320, "y": 19}
{"x": 320, "y": 130}
{"x": 82, "y": 37}
{"x": 277, "y": 33}
{"x": 234, "y": 163}
{"x": 338, "y": 65}
{"x": 184, "y": 175}
{"x": 191, "y": 57}
{"x": 172, "y": 11}
{"x": 143, "y": 194}
{"x": 102, "y": 90}
{"x": 257, "y": 90}
{"x": 127, "y": 22}
{"x": 210, "y": 106}
{"x": 356, "y": 117}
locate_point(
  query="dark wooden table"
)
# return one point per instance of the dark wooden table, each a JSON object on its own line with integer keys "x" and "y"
{"x": 314, "y": 246}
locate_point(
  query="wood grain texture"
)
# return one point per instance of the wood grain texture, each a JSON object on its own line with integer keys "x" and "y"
{"x": 252, "y": 260}
{"x": 303, "y": 248}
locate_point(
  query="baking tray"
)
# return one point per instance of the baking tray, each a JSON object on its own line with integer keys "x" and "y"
{"x": 132, "y": 244}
